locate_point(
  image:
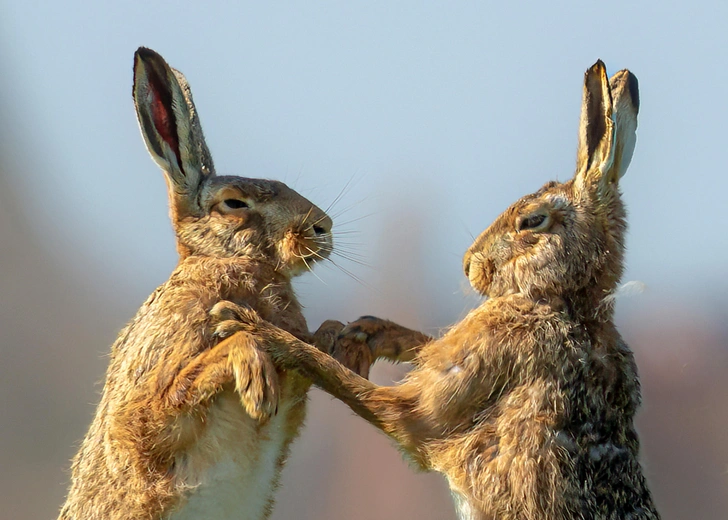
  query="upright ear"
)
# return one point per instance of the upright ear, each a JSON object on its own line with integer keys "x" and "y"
{"x": 626, "y": 103}
{"x": 171, "y": 129}
{"x": 607, "y": 130}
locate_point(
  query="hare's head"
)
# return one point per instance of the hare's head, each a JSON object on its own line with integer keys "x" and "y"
{"x": 223, "y": 216}
{"x": 567, "y": 239}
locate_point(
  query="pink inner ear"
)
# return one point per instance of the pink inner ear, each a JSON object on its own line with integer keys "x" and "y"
{"x": 164, "y": 121}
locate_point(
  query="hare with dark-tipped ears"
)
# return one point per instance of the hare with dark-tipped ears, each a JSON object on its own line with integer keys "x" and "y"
{"x": 187, "y": 426}
{"x": 527, "y": 405}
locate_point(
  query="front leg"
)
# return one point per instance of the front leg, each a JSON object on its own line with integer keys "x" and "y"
{"x": 391, "y": 409}
{"x": 237, "y": 359}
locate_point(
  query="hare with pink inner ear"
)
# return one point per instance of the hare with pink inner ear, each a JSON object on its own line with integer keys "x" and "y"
{"x": 190, "y": 426}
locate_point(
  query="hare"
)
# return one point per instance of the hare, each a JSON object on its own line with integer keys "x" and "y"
{"x": 526, "y": 406}
{"x": 189, "y": 427}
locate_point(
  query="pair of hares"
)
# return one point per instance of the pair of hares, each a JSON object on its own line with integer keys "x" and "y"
{"x": 526, "y": 406}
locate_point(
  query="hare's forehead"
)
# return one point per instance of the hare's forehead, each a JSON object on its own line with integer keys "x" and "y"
{"x": 552, "y": 195}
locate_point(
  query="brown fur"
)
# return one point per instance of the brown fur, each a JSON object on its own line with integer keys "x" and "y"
{"x": 171, "y": 386}
{"x": 526, "y": 405}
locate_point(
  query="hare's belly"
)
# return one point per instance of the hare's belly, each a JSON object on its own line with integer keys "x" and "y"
{"x": 462, "y": 506}
{"x": 233, "y": 468}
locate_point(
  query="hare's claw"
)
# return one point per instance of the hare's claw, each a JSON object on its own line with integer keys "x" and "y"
{"x": 382, "y": 338}
{"x": 227, "y": 328}
{"x": 229, "y": 318}
{"x": 352, "y": 354}
{"x": 227, "y": 310}
{"x": 363, "y": 329}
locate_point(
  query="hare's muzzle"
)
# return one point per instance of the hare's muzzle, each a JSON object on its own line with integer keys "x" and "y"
{"x": 320, "y": 242}
{"x": 479, "y": 270}
{"x": 316, "y": 237}
{"x": 307, "y": 241}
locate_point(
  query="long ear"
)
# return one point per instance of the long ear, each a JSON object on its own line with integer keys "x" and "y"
{"x": 171, "y": 129}
{"x": 594, "y": 156}
{"x": 607, "y": 133}
{"x": 626, "y": 103}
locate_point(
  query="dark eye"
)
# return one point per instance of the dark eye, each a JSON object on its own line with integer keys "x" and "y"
{"x": 235, "y": 204}
{"x": 531, "y": 222}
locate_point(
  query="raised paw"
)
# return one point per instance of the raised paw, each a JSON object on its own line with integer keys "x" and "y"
{"x": 352, "y": 347}
{"x": 383, "y": 338}
{"x": 353, "y": 354}
{"x": 229, "y": 318}
{"x": 324, "y": 338}
{"x": 365, "y": 327}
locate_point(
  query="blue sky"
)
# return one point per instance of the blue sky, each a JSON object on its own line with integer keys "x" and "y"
{"x": 447, "y": 111}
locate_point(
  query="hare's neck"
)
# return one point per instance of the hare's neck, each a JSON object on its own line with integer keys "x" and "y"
{"x": 238, "y": 279}
{"x": 592, "y": 305}
{"x": 251, "y": 282}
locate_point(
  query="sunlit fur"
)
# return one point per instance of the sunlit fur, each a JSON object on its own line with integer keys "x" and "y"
{"x": 187, "y": 426}
{"x": 526, "y": 406}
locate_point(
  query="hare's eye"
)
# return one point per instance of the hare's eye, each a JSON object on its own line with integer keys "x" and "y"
{"x": 531, "y": 222}
{"x": 235, "y": 204}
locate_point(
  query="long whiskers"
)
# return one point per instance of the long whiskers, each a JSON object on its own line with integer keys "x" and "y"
{"x": 335, "y": 264}
{"x": 308, "y": 267}
{"x": 347, "y": 187}
{"x": 350, "y": 274}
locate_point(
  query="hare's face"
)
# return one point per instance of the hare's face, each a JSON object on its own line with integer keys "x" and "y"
{"x": 239, "y": 217}
{"x": 551, "y": 243}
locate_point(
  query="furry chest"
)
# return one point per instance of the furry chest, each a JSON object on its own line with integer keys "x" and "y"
{"x": 233, "y": 468}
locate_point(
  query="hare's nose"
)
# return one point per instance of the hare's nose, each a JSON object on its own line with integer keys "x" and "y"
{"x": 322, "y": 226}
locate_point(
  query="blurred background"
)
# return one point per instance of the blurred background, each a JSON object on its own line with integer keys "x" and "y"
{"x": 425, "y": 120}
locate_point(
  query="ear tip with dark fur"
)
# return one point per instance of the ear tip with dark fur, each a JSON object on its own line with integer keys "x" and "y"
{"x": 633, "y": 87}
{"x": 596, "y": 81}
{"x": 599, "y": 69}
{"x": 145, "y": 53}
{"x": 150, "y": 60}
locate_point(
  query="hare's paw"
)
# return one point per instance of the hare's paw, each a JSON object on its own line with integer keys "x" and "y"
{"x": 229, "y": 318}
{"x": 324, "y": 338}
{"x": 384, "y": 338}
{"x": 256, "y": 377}
{"x": 355, "y": 347}
{"x": 369, "y": 330}
{"x": 365, "y": 328}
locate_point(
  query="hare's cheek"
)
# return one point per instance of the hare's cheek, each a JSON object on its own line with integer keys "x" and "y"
{"x": 244, "y": 237}
{"x": 289, "y": 249}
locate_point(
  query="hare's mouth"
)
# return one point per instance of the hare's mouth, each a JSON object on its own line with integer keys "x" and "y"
{"x": 299, "y": 251}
